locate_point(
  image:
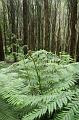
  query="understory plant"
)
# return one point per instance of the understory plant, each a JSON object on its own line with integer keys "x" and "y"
{"x": 42, "y": 87}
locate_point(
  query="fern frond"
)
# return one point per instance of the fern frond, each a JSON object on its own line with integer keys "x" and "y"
{"x": 70, "y": 112}
{"x": 6, "y": 112}
{"x": 49, "y": 104}
{"x": 19, "y": 86}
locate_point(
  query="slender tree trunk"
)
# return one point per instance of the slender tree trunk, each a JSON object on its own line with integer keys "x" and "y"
{"x": 17, "y": 29}
{"x": 53, "y": 42}
{"x": 73, "y": 22}
{"x": 47, "y": 25}
{"x": 32, "y": 41}
{"x": 1, "y": 46}
{"x": 68, "y": 29}
{"x": 12, "y": 12}
{"x": 32, "y": 35}
{"x": 4, "y": 25}
{"x": 77, "y": 51}
{"x": 39, "y": 24}
{"x": 13, "y": 30}
{"x": 59, "y": 39}
{"x": 25, "y": 22}
{"x": 42, "y": 29}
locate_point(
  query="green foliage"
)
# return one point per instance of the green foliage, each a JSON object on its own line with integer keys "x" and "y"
{"x": 42, "y": 85}
{"x": 65, "y": 58}
{"x": 6, "y": 112}
{"x": 4, "y": 64}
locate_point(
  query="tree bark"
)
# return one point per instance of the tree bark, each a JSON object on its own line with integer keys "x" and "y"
{"x": 77, "y": 51}
{"x": 12, "y": 12}
{"x": 47, "y": 25}
{"x": 33, "y": 42}
{"x": 54, "y": 17}
{"x": 4, "y": 25}
{"x": 59, "y": 39}
{"x": 39, "y": 24}
{"x": 1, "y": 47}
{"x": 25, "y": 22}
{"x": 73, "y": 22}
{"x": 67, "y": 47}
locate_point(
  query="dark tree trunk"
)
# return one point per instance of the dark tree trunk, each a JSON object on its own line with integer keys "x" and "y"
{"x": 13, "y": 30}
{"x": 1, "y": 46}
{"x": 25, "y": 22}
{"x": 39, "y": 24}
{"x": 17, "y": 29}
{"x": 33, "y": 42}
{"x": 4, "y": 25}
{"x": 47, "y": 25}
{"x": 77, "y": 51}
{"x": 59, "y": 39}
{"x": 68, "y": 29}
{"x": 53, "y": 42}
{"x": 73, "y": 22}
{"x": 12, "y": 12}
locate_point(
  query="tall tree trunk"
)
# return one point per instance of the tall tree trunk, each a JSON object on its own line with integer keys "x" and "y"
{"x": 33, "y": 42}
{"x": 68, "y": 29}
{"x": 47, "y": 25}
{"x": 1, "y": 46}
{"x": 12, "y": 12}
{"x": 77, "y": 51}
{"x": 73, "y": 22}
{"x": 39, "y": 24}
{"x": 4, "y": 25}
{"x": 59, "y": 39}
{"x": 13, "y": 29}
{"x": 17, "y": 29}
{"x": 53, "y": 41}
{"x": 32, "y": 35}
{"x": 25, "y": 22}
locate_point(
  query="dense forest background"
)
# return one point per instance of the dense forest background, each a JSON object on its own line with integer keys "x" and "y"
{"x": 39, "y": 59}
{"x": 41, "y": 24}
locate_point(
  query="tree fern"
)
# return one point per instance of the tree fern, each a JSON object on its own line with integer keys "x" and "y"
{"x": 20, "y": 86}
{"x": 70, "y": 112}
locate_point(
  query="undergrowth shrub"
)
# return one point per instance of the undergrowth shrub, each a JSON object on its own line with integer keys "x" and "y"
{"x": 42, "y": 87}
{"x": 3, "y": 64}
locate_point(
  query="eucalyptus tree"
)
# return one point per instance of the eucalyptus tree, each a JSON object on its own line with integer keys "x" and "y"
{"x": 54, "y": 10}
{"x": 1, "y": 46}
{"x": 2, "y": 57}
{"x": 5, "y": 26}
{"x": 12, "y": 16}
{"x": 77, "y": 50}
{"x": 47, "y": 25}
{"x": 25, "y": 22}
{"x": 38, "y": 24}
{"x": 73, "y": 23}
{"x": 67, "y": 47}
{"x": 59, "y": 27}
{"x": 32, "y": 22}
